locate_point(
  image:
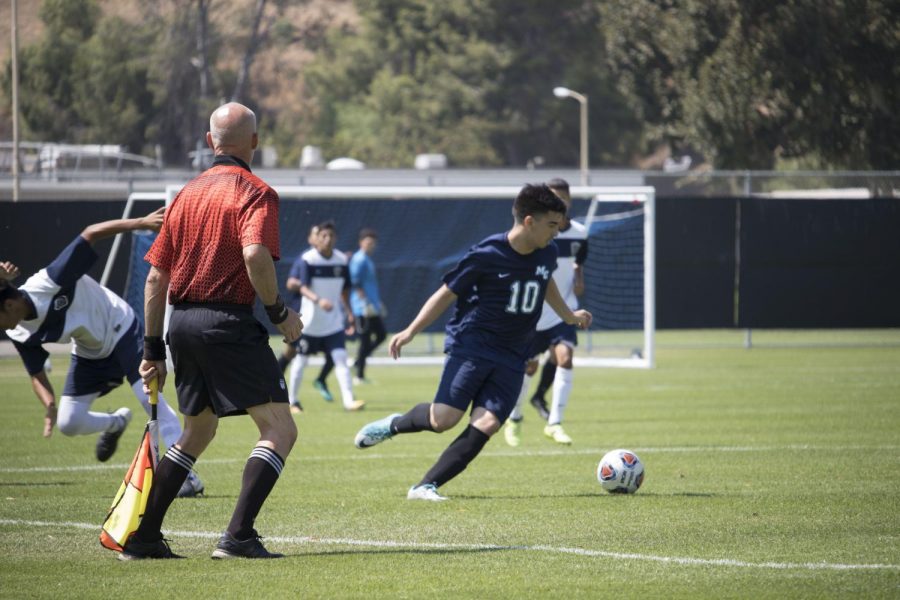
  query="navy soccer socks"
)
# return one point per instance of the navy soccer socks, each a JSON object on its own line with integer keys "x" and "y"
{"x": 456, "y": 457}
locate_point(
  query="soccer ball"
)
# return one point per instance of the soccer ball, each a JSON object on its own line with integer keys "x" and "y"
{"x": 620, "y": 472}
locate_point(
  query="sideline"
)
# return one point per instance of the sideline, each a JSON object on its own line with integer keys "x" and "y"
{"x": 677, "y": 560}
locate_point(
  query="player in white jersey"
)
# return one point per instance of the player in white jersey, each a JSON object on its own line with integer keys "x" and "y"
{"x": 61, "y": 303}
{"x": 321, "y": 275}
{"x": 552, "y": 332}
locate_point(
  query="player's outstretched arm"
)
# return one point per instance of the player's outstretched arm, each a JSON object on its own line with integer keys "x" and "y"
{"x": 434, "y": 307}
{"x": 580, "y": 318}
{"x": 99, "y": 231}
{"x": 44, "y": 392}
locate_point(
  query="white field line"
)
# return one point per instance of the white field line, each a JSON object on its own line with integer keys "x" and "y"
{"x": 300, "y": 456}
{"x": 624, "y": 556}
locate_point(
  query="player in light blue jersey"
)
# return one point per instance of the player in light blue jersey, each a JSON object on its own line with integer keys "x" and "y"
{"x": 365, "y": 301}
{"x": 498, "y": 288}
{"x": 61, "y": 303}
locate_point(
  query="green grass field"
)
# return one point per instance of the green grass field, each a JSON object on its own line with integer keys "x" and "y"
{"x": 771, "y": 473}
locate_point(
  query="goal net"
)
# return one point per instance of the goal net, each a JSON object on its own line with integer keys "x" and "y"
{"x": 423, "y": 231}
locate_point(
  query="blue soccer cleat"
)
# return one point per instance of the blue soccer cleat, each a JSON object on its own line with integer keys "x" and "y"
{"x": 375, "y": 432}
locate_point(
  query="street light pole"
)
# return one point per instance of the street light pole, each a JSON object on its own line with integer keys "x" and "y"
{"x": 561, "y": 92}
{"x": 15, "y": 99}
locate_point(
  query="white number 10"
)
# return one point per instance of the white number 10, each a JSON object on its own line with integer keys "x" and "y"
{"x": 529, "y": 297}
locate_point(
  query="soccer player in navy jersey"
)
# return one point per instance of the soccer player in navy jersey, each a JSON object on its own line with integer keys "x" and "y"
{"x": 498, "y": 287}
{"x": 62, "y": 303}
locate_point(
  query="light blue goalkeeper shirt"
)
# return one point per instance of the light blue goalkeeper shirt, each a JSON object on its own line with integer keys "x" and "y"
{"x": 362, "y": 275}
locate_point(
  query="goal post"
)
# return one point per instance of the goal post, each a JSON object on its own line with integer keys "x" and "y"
{"x": 621, "y": 274}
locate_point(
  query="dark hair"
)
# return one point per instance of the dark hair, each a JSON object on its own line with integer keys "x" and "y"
{"x": 329, "y": 224}
{"x": 7, "y": 290}
{"x": 367, "y": 232}
{"x": 536, "y": 199}
{"x": 558, "y": 184}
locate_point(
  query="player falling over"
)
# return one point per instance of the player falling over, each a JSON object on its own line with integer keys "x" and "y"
{"x": 61, "y": 303}
{"x": 498, "y": 287}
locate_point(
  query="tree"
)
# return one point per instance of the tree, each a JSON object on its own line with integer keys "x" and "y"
{"x": 46, "y": 69}
{"x": 752, "y": 83}
{"x": 111, "y": 98}
{"x": 469, "y": 78}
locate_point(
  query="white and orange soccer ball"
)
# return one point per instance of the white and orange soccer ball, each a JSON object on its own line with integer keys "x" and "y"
{"x": 620, "y": 472}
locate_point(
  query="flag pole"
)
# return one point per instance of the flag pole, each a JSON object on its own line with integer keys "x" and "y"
{"x": 153, "y": 424}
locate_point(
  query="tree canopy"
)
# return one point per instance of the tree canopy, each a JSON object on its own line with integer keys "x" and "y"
{"x": 743, "y": 84}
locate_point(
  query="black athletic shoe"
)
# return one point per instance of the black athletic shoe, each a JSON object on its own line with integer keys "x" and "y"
{"x": 228, "y": 547}
{"x": 137, "y": 550}
{"x": 541, "y": 406}
{"x": 109, "y": 441}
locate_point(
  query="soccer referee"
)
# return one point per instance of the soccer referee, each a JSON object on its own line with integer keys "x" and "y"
{"x": 214, "y": 254}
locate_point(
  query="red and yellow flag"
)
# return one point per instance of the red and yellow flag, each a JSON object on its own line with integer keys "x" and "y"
{"x": 131, "y": 500}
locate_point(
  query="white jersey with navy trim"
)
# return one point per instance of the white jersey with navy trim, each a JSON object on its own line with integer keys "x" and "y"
{"x": 70, "y": 305}
{"x": 573, "y": 247}
{"x": 327, "y": 278}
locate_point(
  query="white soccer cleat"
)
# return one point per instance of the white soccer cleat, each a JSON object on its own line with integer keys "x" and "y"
{"x": 375, "y": 432}
{"x": 356, "y": 405}
{"x": 557, "y": 434}
{"x": 512, "y": 432}
{"x": 425, "y": 492}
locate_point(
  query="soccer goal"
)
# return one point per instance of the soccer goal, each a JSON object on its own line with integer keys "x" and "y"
{"x": 620, "y": 278}
{"x": 424, "y": 230}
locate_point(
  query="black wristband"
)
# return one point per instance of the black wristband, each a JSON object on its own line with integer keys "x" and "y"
{"x": 277, "y": 312}
{"x": 154, "y": 348}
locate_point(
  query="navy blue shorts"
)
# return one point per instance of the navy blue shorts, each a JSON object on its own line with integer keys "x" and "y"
{"x": 222, "y": 360}
{"x": 558, "y": 334}
{"x": 308, "y": 345}
{"x": 103, "y": 375}
{"x": 481, "y": 383}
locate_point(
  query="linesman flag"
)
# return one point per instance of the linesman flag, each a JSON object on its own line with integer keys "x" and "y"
{"x": 131, "y": 500}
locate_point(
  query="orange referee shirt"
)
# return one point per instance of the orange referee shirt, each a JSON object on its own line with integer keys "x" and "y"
{"x": 206, "y": 228}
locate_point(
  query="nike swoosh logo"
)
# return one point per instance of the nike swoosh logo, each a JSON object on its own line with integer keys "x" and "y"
{"x": 502, "y": 275}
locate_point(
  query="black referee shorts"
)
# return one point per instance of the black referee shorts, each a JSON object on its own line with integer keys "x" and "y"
{"x": 222, "y": 360}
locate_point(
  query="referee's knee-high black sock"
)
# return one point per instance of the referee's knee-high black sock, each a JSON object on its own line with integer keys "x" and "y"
{"x": 456, "y": 457}
{"x": 260, "y": 475}
{"x": 548, "y": 373}
{"x": 170, "y": 473}
{"x": 417, "y": 419}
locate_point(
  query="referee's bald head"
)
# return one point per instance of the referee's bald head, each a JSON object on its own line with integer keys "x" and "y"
{"x": 232, "y": 129}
